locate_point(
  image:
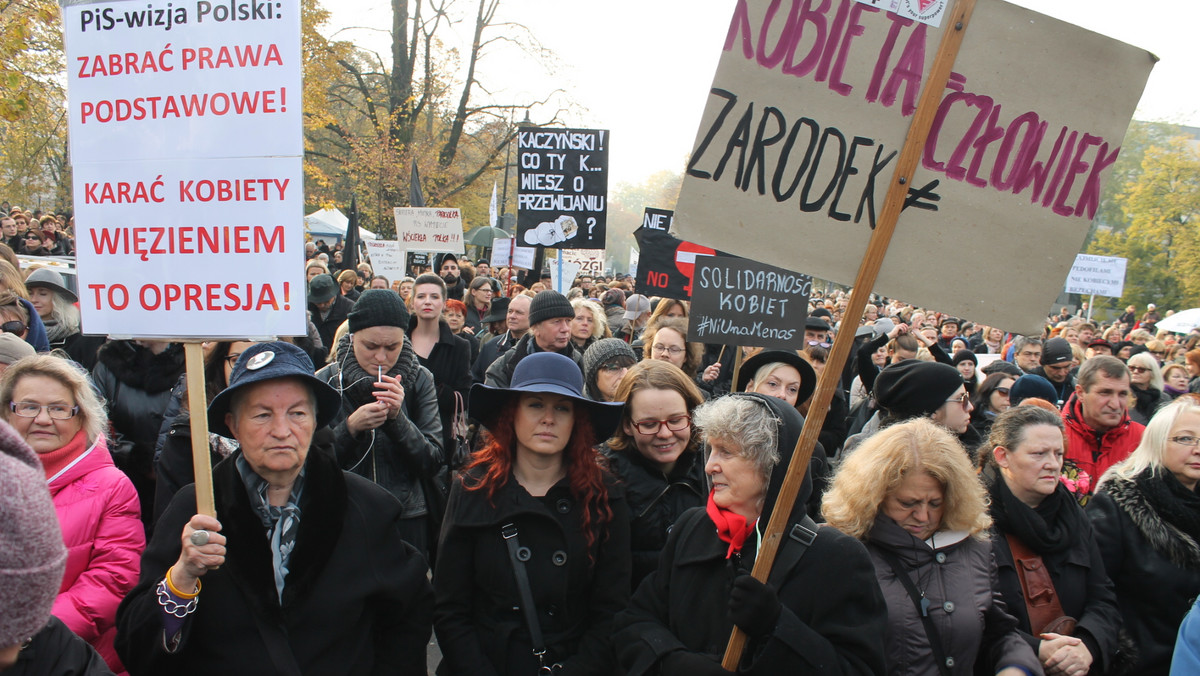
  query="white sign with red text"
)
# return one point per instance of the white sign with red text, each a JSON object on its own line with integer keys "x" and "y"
{"x": 387, "y": 258}
{"x": 437, "y": 229}
{"x": 187, "y": 151}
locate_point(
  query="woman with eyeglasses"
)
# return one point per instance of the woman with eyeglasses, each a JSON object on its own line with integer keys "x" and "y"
{"x": 1146, "y": 516}
{"x": 990, "y": 400}
{"x": 1175, "y": 380}
{"x": 655, "y": 453}
{"x": 50, "y": 403}
{"x": 1146, "y": 383}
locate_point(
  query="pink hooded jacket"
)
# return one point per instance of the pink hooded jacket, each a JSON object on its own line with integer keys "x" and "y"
{"x": 101, "y": 524}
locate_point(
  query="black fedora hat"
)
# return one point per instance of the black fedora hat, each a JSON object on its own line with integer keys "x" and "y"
{"x": 808, "y": 376}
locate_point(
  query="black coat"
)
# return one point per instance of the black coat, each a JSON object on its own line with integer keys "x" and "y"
{"x": 1082, "y": 586}
{"x": 1154, "y": 566}
{"x": 489, "y": 352}
{"x": 500, "y": 373}
{"x": 479, "y": 627}
{"x": 357, "y": 600}
{"x": 56, "y": 651}
{"x": 656, "y": 501}
{"x": 327, "y": 327}
{"x": 833, "y": 618}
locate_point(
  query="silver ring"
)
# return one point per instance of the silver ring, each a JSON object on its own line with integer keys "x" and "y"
{"x": 199, "y": 538}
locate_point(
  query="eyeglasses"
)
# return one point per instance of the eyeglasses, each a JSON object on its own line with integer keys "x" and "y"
{"x": 651, "y": 427}
{"x": 1138, "y": 369}
{"x": 15, "y": 327}
{"x": 1002, "y": 390}
{"x": 673, "y": 350}
{"x": 28, "y": 409}
{"x": 1187, "y": 441}
{"x": 232, "y": 359}
{"x": 964, "y": 401}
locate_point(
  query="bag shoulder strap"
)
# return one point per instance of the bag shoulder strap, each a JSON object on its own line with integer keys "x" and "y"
{"x": 1041, "y": 599}
{"x": 518, "y": 555}
{"x": 922, "y": 605}
{"x": 802, "y": 535}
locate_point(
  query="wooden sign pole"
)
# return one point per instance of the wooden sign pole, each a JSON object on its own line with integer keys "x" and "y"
{"x": 738, "y": 356}
{"x": 198, "y": 409}
{"x": 910, "y": 154}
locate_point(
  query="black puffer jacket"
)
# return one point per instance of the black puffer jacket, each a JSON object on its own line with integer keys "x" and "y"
{"x": 398, "y": 453}
{"x": 656, "y": 501}
{"x": 833, "y": 618}
{"x": 137, "y": 387}
{"x": 1154, "y": 566}
{"x": 577, "y": 589}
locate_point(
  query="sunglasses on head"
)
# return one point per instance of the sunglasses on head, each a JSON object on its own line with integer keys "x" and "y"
{"x": 15, "y": 327}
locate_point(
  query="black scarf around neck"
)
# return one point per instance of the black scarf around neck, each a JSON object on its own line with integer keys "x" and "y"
{"x": 1172, "y": 500}
{"x": 1045, "y": 529}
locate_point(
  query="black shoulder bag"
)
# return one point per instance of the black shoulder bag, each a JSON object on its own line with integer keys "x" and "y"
{"x": 922, "y": 605}
{"x": 518, "y": 555}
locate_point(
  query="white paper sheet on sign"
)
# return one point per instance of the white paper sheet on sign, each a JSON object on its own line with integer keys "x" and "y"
{"x": 806, "y": 117}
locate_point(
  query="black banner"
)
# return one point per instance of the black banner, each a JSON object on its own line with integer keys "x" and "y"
{"x": 665, "y": 263}
{"x": 658, "y": 219}
{"x": 737, "y": 301}
{"x": 562, "y": 192}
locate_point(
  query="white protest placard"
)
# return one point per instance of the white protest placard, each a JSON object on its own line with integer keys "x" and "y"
{"x": 504, "y": 254}
{"x": 387, "y": 258}
{"x": 1097, "y": 275}
{"x": 186, "y": 143}
{"x": 590, "y": 261}
{"x": 633, "y": 260}
{"x": 799, "y": 141}
{"x": 437, "y": 230}
{"x": 562, "y": 274}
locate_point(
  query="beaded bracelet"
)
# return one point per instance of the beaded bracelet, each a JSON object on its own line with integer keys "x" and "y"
{"x": 170, "y": 605}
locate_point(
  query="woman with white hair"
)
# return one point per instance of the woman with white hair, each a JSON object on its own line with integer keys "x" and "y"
{"x": 1146, "y": 516}
{"x": 1146, "y": 383}
{"x": 55, "y": 304}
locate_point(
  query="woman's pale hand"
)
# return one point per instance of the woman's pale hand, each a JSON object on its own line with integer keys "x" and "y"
{"x": 1064, "y": 655}
{"x": 367, "y": 417}
{"x": 196, "y": 560}
{"x": 711, "y": 373}
{"x": 390, "y": 393}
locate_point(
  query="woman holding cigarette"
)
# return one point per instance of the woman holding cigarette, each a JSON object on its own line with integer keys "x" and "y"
{"x": 387, "y": 428}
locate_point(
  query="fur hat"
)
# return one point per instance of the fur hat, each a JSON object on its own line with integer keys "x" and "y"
{"x": 32, "y": 554}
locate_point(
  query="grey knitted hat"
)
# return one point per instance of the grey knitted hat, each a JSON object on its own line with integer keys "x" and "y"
{"x": 32, "y": 555}
{"x": 549, "y": 304}
{"x": 603, "y": 351}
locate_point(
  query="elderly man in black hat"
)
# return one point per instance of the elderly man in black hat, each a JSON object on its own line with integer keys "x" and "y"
{"x": 550, "y": 315}
{"x": 306, "y": 571}
{"x": 817, "y": 332}
{"x": 328, "y": 307}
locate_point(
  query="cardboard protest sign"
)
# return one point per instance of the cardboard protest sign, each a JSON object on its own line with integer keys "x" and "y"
{"x": 187, "y": 160}
{"x": 436, "y": 230}
{"x": 387, "y": 259}
{"x": 562, "y": 195}
{"x": 658, "y": 219}
{"x": 1097, "y": 275}
{"x": 590, "y": 261}
{"x": 736, "y": 301}
{"x": 505, "y": 253}
{"x": 811, "y": 105}
{"x": 666, "y": 264}
{"x": 562, "y": 273}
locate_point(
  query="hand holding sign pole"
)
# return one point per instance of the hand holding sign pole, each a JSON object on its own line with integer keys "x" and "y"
{"x": 867, "y": 272}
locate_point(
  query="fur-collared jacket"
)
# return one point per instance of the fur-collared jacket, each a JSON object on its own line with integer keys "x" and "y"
{"x": 1154, "y": 565}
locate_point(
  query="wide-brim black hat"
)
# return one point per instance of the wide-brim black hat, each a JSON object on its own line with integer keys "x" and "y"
{"x": 497, "y": 311}
{"x": 545, "y": 372}
{"x": 808, "y": 376}
{"x": 268, "y": 361}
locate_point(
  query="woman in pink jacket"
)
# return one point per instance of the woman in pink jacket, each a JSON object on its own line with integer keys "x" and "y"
{"x": 50, "y": 404}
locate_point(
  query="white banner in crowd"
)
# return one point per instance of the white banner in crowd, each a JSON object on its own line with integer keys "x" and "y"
{"x": 1098, "y": 275}
{"x": 798, "y": 145}
{"x": 590, "y": 261}
{"x": 434, "y": 229}
{"x": 521, "y": 257}
{"x": 633, "y": 260}
{"x": 387, "y": 258}
{"x": 187, "y": 144}
{"x": 562, "y": 274}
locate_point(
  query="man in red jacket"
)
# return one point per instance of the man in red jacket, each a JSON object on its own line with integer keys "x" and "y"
{"x": 1099, "y": 431}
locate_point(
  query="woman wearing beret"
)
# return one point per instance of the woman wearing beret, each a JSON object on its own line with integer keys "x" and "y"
{"x": 534, "y": 554}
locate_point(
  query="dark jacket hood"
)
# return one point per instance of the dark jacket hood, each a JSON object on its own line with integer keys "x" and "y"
{"x": 791, "y": 424}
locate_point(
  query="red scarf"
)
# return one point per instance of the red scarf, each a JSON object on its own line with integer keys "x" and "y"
{"x": 731, "y": 526}
{"x": 54, "y": 461}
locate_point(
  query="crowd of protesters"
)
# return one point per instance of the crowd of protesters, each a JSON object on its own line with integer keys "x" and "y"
{"x": 566, "y": 484}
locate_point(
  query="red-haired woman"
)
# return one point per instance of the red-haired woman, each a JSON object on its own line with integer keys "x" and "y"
{"x": 534, "y": 553}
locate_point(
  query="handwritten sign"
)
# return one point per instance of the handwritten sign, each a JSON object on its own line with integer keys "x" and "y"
{"x": 1099, "y": 275}
{"x": 590, "y": 261}
{"x": 437, "y": 230}
{"x": 741, "y": 302}
{"x": 658, "y": 219}
{"x": 187, "y": 143}
{"x": 562, "y": 196}
{"x": 503, "y": 255}
{"x": 387, "y": 258}
{"x": 809, "y": 109}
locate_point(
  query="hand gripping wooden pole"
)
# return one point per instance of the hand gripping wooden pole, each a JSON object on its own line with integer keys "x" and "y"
{"x": 868, "y": 271}
{"x": 198, "y": 410}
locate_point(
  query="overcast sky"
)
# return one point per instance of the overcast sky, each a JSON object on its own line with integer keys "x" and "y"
{"x": 642, "y": 68}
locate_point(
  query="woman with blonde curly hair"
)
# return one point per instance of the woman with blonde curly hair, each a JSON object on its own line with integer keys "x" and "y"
{"x": 910, "y": 494}
{"x": 589, "y": 325}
